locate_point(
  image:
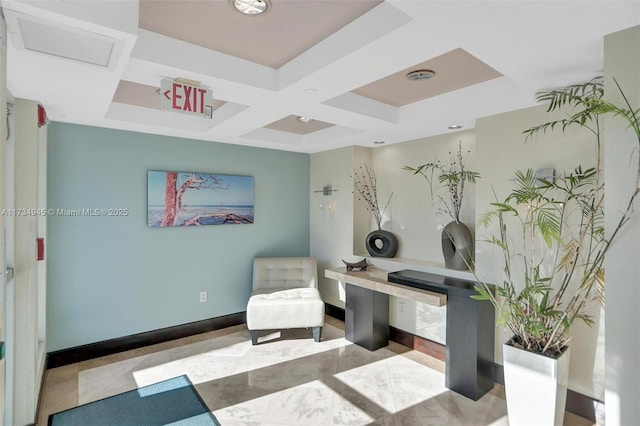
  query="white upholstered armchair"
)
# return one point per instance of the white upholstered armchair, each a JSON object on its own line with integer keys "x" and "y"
{"x": 285, "y": 295}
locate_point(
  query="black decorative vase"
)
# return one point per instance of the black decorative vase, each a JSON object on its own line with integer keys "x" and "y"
{"x": 381, "y": 243}
{"x": 457, "y": 246}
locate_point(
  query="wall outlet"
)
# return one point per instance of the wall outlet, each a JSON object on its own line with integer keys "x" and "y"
{"x": 203, "y": 296}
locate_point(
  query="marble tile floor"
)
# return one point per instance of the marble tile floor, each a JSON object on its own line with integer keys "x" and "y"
{"x": 287, "y": 379}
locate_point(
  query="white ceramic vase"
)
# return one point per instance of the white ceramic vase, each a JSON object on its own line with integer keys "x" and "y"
{"x": 535, "y": 386}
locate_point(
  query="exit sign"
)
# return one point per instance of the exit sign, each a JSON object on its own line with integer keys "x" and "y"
{"x": 178, "y": 96}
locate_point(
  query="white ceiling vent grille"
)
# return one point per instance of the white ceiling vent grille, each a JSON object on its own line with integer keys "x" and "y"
{"x": 67, "y": 42}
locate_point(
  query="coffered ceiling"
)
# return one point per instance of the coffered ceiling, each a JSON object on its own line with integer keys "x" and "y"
{"x": 343, "y": 63}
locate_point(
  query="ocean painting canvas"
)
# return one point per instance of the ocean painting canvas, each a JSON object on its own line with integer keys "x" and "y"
{"x": 191, "y": 199}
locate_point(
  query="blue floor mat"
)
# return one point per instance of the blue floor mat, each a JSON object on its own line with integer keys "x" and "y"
{"x": 171, "y": 402}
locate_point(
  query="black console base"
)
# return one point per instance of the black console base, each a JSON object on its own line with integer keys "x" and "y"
{"x": 366, "y": 317}
{"x": 470, "y": 331}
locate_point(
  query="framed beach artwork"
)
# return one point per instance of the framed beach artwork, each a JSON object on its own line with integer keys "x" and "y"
{"x": 191, "y": 199}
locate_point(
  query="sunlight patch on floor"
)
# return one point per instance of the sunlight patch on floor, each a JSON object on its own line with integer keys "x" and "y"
{"x": 372, "y": 381}
{"x": 288, "y": 379}
{"x": 231, "y": 357}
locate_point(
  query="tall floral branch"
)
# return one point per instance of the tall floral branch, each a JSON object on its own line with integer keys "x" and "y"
{"x": 453, "y": 176}
{"x": 365, "y": 185}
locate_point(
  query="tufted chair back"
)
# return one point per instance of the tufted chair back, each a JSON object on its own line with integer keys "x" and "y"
{"x": 285, "y": 272}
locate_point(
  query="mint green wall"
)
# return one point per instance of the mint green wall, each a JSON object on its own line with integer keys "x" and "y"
{"x": 113, "y": 276}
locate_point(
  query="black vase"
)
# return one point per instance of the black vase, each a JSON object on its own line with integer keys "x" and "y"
{"x": 457, "y": 246}
{"x": 381, "y": 243}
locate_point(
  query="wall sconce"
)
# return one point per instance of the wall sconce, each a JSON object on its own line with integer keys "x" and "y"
{"x": 327, "y": 209}
{"x": 327, "y": 190}
{"x": 546, "y": 174}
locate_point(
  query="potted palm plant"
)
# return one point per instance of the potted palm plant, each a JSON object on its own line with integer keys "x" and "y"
{"x": 457, "y": 241}
{"x": 551, "y": 238}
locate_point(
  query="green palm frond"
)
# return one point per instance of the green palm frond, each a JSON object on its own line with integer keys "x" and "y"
{"x": 548, "y": 223}
{"x": 567, "y": 213}
{"x": 505, "y": 208}
{"x": 526, "y": 188}
{"x": 599, "y": 287}
{"x": 496, "y": 242}
{"x": 574, "y": 94}
{"x": 485, "y": 219}
{"x": 584, "y": 97}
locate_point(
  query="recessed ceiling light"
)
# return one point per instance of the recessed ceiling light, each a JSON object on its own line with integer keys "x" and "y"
{"x": 418, "y": 75}
{"x": 378, "y": 142}
{"x": 304, "y": 119}
{"x": 251, "y": 7}
{"x": 455, "y": 127}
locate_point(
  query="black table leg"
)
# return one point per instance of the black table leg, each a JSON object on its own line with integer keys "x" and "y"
{"x": 470, "y": 340}
{"x": 367, "y": 317}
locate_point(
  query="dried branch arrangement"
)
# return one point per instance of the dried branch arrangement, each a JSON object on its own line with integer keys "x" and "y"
{"x": 365, "y": 186}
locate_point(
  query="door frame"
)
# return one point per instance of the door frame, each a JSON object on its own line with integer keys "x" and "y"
{"x": 5, "y": 385}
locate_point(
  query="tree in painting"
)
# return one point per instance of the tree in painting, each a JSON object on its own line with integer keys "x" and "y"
{"x": 188, "y": 199}
{"x": 173, "y": 194}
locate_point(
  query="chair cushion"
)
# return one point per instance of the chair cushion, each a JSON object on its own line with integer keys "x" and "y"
{"x": 277, "y": 308}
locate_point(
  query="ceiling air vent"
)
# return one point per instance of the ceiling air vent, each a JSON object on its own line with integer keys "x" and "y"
{"x": 67, "y": 42}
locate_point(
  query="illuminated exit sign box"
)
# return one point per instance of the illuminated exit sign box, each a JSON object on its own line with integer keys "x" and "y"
{"x": 181, "y": 96}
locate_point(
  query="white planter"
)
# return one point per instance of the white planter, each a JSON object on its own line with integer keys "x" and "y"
{"x": 536, "y": 387}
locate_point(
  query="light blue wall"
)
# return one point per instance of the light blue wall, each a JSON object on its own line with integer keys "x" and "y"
{"x": 113, "y": 276}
